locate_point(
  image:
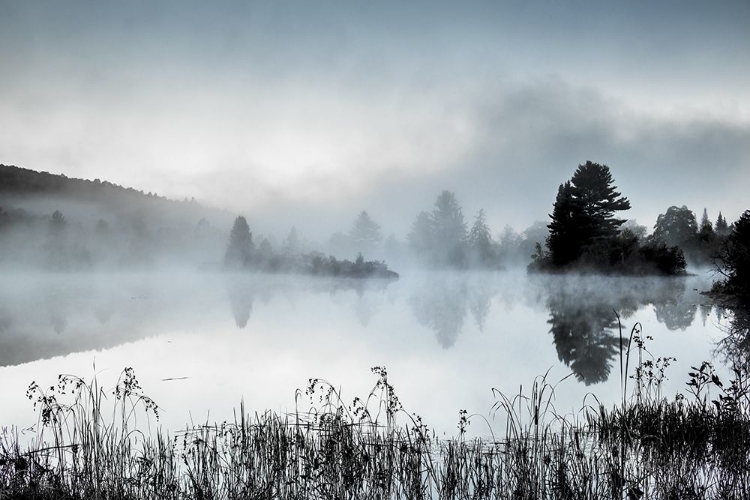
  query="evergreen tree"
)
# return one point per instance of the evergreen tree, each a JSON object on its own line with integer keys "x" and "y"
{"x": 583, "y": 214}
{"x": 705, "y": 225}
{"x": 292, "y": 244}
{"x": 265, "y": 248}
{"x": 449, "y": 230}
{"x": 365, "y": 234}
{"x": 565, "y": 239}
{"x": 735, "y": 256}
{"x": 421, "y": 237}
{"x": 240, "y": 244}
{"x": 591, "y": 187}
{"x": 480, "y": 241}
{"x": 721, "y": 226}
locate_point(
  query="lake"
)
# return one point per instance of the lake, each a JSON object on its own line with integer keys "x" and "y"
{"x": 202, "y": 342}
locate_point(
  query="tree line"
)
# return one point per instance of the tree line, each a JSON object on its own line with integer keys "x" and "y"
{"x": 583, "y": 232}
{"x": 586, "y": 235}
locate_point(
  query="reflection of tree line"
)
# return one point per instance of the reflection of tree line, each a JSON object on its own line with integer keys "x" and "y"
{"x": 581, "y": 312}
{"x": 243, "y": 291}
{"x": 57, "y": 317}
{"x": 581, "y": 317}
{"x": 442, "y": 303}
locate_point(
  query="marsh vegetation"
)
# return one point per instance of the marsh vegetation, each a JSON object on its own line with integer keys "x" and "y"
{"x": 93, "y": 443}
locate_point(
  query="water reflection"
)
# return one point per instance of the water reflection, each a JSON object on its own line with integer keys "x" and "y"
{"x": 583, "y": 317}
{"x": 586, "y": 335}
{"x": 582, "y": 310}
{"x": 241, "y": 298}
{"x": 441, "y": 306}
{"x": 735, "y": 345}
{"x": 441, "y": 302}
{"x": 50, "y": 316}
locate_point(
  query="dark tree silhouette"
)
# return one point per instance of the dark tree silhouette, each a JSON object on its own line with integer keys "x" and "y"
{"x": 667, "y": 260}
{"x": 721, "y": 226}
{"x": 565, "y": 236}
{"x": 593, "y": 189}
{"x": 240, "y": 244}
{"x": 705, "y": 225}
{"x": 734, "y": 261}
{"x": 583, "y": 213}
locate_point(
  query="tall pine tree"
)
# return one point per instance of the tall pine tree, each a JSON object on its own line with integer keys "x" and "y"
{"x": 449, "y": 230}
{"x": 365, "y": 234}
{"x": 721, "y": 226}
{"x": 480, "y": 241}
{"x": 240, "y": 244}
{"x": 583, "y": 214}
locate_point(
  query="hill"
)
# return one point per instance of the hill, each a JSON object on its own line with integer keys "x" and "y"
{"x": 59, "y": 223}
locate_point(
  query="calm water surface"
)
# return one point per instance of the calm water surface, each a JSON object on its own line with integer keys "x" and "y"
{"x": 200, "y": 343}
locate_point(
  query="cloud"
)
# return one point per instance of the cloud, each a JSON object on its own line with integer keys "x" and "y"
{"x": 528, "y": 138}
{"x": 364, "y": 130}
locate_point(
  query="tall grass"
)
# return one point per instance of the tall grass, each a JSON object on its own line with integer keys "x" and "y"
{"x": 371, "y": 448}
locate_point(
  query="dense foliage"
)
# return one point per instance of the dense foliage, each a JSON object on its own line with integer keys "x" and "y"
{"x": 734, "y": 260}
{"x": 584, "y": 233}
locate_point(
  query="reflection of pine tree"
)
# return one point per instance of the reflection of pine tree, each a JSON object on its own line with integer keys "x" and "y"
{"x": 480, "y": 299}
{"x": 442, "y": 308}
{"x": 241, "y": 297}
{"x": 584, "y": 336}
{"x": 705, "y": 310}
{"x": 366, "y": 306}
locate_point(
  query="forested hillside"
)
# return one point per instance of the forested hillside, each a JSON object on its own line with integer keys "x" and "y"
{"x": 58, "y": 223}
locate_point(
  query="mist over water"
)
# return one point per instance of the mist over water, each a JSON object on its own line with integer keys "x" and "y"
{"x": 201, "y": 342}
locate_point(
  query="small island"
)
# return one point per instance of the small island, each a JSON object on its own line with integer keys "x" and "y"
{"x": 585, "y": 237}
{"x": 241, "y": 254}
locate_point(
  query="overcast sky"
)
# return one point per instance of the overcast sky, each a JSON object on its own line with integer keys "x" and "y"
{"x": 308, "y": 112}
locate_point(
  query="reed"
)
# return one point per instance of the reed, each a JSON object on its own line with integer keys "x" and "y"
{"x": 97, "y": 445}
